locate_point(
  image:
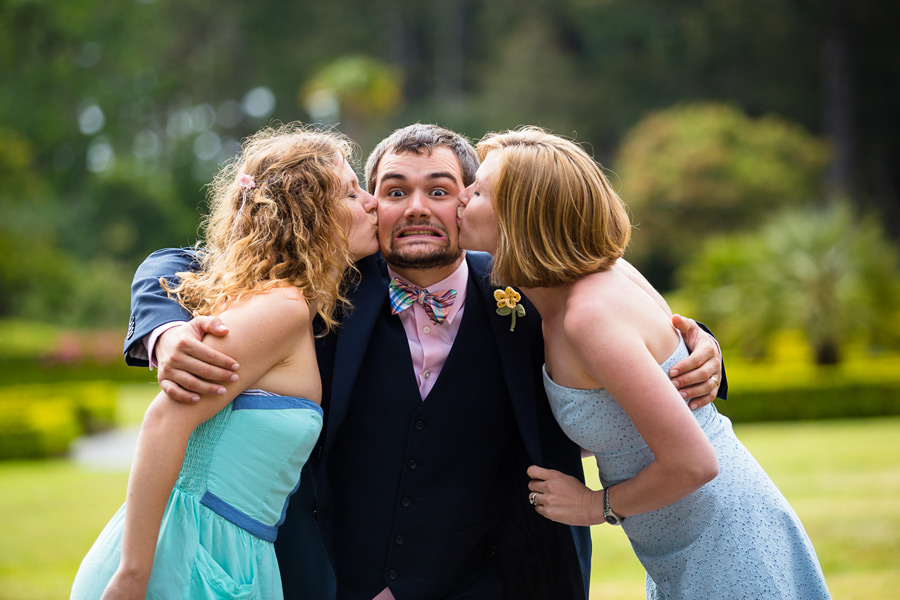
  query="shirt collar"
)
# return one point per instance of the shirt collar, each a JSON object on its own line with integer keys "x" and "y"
{"x": 457, "y": 280}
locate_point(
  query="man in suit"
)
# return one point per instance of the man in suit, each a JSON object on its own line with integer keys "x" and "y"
{"x": 434, "y": 408}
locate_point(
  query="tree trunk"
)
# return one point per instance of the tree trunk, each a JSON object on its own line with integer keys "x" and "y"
{"x": 449, "y": 52}
{"x": 839, "y": 98}
{"x": 827, "y": 353}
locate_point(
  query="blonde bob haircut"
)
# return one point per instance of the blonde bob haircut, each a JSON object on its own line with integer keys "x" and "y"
{"x": 289, "y": 230}
{"x": 558, "y": 217}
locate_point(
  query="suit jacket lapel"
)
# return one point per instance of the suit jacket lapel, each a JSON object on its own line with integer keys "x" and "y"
{"x": 516, "y": 355}
{"x": 353, "y": 338}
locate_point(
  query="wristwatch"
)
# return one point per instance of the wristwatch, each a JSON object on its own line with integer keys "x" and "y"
{"x": 608, "y": 515}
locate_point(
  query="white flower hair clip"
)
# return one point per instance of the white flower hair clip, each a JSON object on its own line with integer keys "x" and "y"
{"x": 246, "y": 182}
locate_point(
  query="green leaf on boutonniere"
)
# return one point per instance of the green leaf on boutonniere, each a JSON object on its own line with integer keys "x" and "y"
{"x": 508, "y": 304}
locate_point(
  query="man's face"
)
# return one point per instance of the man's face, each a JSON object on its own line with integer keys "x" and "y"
{"x": 417, "y": 197}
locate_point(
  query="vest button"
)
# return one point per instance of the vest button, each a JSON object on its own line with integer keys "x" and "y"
{"x": 420, "y": 425}
{"x": 392, "y": 574}
{"x": 404, "y": 502}
{"x": 412, "y": 464}
{"x": 399, "y": 539}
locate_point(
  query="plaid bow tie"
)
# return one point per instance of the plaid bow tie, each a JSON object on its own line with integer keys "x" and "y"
{"x": 436, "y": 305}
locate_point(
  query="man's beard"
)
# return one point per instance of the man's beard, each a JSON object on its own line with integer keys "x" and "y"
{"x": 436, "y": 257}
{"x": 408, "y": 258}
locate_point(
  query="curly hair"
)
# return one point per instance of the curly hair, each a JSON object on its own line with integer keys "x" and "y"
{"x": 289, "y": 230}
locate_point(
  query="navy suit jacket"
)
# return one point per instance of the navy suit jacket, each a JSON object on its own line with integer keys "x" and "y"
{"x": 526, "y": 542}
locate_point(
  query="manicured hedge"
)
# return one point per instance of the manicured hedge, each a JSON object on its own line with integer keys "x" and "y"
{"x": 838, "y": 400}
{"x": 789, "y": 387}
{"x": 30, "y": 370}
{"x": 41, "y": 420}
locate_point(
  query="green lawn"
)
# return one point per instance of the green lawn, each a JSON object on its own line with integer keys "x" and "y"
{"x": 842, "y": 477}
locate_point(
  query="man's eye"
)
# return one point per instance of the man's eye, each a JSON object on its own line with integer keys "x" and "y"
{"x": 395, "y": 194}
{"x": 438, "y": 193}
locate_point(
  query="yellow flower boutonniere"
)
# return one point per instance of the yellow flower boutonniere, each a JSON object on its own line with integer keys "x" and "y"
{"x": 508, "y": 304}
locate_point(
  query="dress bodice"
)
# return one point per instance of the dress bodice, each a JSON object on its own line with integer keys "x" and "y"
{"x": 245, "y": 462}
{"x": 596, "y": 422}
{"x": 215, "y": 536}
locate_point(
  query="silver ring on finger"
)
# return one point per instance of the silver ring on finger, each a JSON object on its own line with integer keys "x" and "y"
{"x": 532, "y": 498}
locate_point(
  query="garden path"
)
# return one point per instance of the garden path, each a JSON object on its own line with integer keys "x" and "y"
{"x": 107, "y": 450}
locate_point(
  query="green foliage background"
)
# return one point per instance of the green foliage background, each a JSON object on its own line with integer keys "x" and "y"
{"x": 113, "y": 116}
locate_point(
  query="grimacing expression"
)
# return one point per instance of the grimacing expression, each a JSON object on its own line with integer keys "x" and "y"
{"x": 478, "y": 226}
{"x": 361, "y": 207}
{"x": 417, "y": 198}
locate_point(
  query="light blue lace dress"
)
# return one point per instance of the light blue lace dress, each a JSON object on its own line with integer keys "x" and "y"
{"x": 736, "y": 537}
{"x": 216, "y": 535}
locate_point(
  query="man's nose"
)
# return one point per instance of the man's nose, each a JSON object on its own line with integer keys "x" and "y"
{"x": 418, "y": 204}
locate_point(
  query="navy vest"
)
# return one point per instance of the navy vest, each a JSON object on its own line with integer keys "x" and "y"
{"x": 417, "y": 485}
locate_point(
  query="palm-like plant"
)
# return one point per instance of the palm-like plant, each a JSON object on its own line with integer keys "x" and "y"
{"x": 823, "y": 271}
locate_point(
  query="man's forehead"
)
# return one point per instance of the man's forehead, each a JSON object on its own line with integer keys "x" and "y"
{"x": 426, "y": 162}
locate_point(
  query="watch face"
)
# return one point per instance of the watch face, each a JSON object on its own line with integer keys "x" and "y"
{"x": 611, "y": 519}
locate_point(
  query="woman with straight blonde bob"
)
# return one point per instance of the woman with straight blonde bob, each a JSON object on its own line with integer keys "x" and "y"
{"x": 578, "y": 227}
{"x": 210, "y": 480}
{"x": 701, "y": 514}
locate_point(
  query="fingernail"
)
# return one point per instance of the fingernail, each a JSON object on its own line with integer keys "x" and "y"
{"x": 694, "y": 406}
{"x": 673, "y": 372}
{"x": 220, "y": 391}
{"x": 234, "y": 378}
{"x": 195, "y": 398}
{"x": 684, "y": 395}
{"x": 235, "y": 367}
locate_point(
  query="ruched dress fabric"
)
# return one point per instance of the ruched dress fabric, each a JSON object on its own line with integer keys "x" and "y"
{"x": 216, "y": 535}
{"x": 734, "y": 538}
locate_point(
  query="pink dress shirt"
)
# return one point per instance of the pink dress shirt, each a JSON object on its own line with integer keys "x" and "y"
{"x": 429, "y": 344}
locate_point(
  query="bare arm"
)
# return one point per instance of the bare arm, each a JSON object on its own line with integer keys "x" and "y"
{"x": 264, "y": 329}
{"x": 685, "y": 460}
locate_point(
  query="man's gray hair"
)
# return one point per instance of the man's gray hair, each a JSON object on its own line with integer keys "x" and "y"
{"x": 419, "y": 138}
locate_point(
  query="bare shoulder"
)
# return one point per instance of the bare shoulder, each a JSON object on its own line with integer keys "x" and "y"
{"x": 282, "y": 298}
{"x": 637, "y": 278}
{"x": 278, "y": 310}
{"x": 592, "y": 302}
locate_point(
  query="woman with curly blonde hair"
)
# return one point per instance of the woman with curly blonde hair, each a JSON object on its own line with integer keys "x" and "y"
{"x": 210, "y": 480}
{"x": 701, "y": 514}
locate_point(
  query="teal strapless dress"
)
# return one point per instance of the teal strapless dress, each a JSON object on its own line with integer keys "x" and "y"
{"x": 735, "y": 538}
{"x": 215, "y": 539}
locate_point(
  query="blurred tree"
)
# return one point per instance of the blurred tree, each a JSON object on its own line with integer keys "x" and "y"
{"x": 355, "y": 91}
{"x": 701, "y": 169}
{"x": 819, "y": 270}
{"x": 524, "y": 78}
{"x": 132, "y": 105}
